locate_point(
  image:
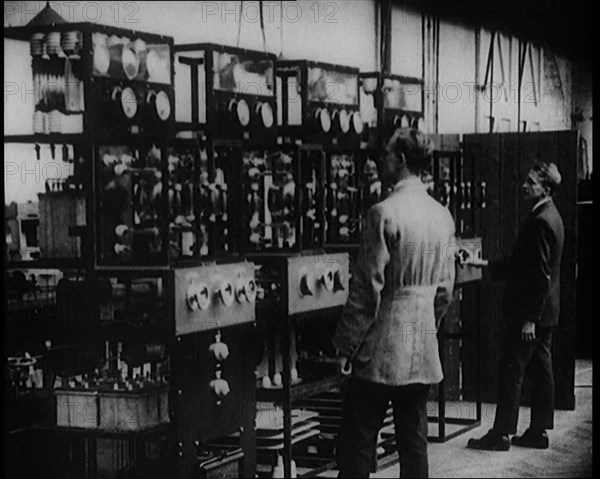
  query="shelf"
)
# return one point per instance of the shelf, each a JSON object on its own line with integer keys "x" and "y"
{"x": 99, "y": 433}
{"x": 50, "y": 263}
{"x": 47, "y": 139}
{"x": 302, "y": 390}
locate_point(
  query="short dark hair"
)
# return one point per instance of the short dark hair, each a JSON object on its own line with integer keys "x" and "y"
{"x": 414, "y": 146}
{"x": 549, "y": 175}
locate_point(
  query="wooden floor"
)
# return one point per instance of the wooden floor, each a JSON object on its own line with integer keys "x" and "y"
{"x": 569, "y": 455}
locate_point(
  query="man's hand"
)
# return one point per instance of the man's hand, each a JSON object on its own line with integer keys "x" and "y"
{"x": 344, "y": 366}
{"x": 528, "y": 331}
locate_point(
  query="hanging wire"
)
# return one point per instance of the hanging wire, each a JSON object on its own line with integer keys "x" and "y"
{"x": 262, "y": 26}
{"x": 239, "y": 34}
{"x": 281, "y": 28}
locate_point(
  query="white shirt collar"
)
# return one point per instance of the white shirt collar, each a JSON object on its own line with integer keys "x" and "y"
{"x": 411, "y": 180}
{"x": 541, "y": 202}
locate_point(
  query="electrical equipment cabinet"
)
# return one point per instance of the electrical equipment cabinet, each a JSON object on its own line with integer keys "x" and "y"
{"x": 388, "y": 102}
{"x": 154, "y": 310}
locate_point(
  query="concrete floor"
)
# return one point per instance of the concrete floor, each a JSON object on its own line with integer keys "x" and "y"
{"x": 569, "y": 455}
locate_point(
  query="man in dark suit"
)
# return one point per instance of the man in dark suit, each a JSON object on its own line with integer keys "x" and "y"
{"x": 531, "y": 310}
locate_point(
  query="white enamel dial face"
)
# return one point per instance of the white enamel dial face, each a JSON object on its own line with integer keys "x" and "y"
{"x": 344, "y": 120}
{"x": 266, "y": 115}
{"x": 243, "y": 112}
{"x": 129, "y": 102}
{"x": 357, "y": 122}
{"x": 324, "y": 119}
{"x": 163, "y": 106}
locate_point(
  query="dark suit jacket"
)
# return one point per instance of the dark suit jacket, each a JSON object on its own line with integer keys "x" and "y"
{"x": 532, "y": 272}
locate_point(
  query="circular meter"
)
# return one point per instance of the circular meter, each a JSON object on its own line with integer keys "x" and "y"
{"x": 323, "y": 119}
{"x": 127, "y": 99}
{"x": 344, "y": 120}
{"x": 357, "y": 123}
{"x": 265, "y": 112}
{"x": 241, "y": 111}
{"x": 162, "y": 104}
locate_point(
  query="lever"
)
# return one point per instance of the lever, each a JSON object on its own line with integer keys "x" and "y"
{"x": 338, "y": 280}
{"x": 305, "y": 285}
{"x": 328, "y": 280}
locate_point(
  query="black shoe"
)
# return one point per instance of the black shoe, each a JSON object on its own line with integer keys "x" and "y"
{"x": 492, "y": 441}
{"x": 533, "y": 440}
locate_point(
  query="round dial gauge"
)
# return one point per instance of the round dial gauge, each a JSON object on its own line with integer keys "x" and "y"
{"x": 357, "y": 122}
{"x": 163, "y": 106}
{"x": 323, "y": 119}
{"x": 344, "y": 120}
{"x": 128, "y": 101}
{"x": 266, "y": 114}
{"x": 243, "y": 112}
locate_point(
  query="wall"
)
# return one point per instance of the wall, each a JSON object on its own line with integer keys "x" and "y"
{"x": 456, "y": 89}
{"x": 329, "y": 31}
{"x": 407, "y": 42}
{"x": 345, "y": 33}
{"x": 583, "y": 111}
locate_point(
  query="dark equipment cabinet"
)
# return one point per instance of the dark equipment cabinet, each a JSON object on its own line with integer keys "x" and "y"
{"x": 502, "y": 161}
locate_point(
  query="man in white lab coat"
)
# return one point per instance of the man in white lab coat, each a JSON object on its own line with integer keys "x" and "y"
{"x": 386, "y": 339}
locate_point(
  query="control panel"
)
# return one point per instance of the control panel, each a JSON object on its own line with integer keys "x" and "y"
{"x": 317, "y": 282}
{"x": 468, "y": 249}
{"x": 214, "y": 296}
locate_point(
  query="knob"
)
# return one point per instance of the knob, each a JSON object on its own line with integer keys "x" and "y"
{"x": 120, "y": 230}
{"x": 121, "y": 248}
{"x": 327, "y": 279}
{"x": 266, "y": 382}
{"x": 254, "y": 173}
{"x": 240, "y": 289}
{"x": 120, "y": 169}
{"x": 306, "y": 284}
{"x": 220, "y": 387}
{"x": 198, "y": 296}
{"x": 220, "y": 350}
{"x": 462, "y": 256}
{"x": 251, "y": 290}
{"x": 226, "y": 293}
{"x": 339, "y": 278}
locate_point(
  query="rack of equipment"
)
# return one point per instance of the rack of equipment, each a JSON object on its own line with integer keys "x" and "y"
{"x": 149, "y": 310}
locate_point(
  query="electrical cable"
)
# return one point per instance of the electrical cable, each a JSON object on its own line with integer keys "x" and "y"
{"x": 239, "y": 34}
{"x": 262, "y": 26}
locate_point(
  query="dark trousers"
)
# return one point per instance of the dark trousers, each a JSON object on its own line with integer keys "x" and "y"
{"x": 534, "y": 359}
{"x": 365, "y": 406}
